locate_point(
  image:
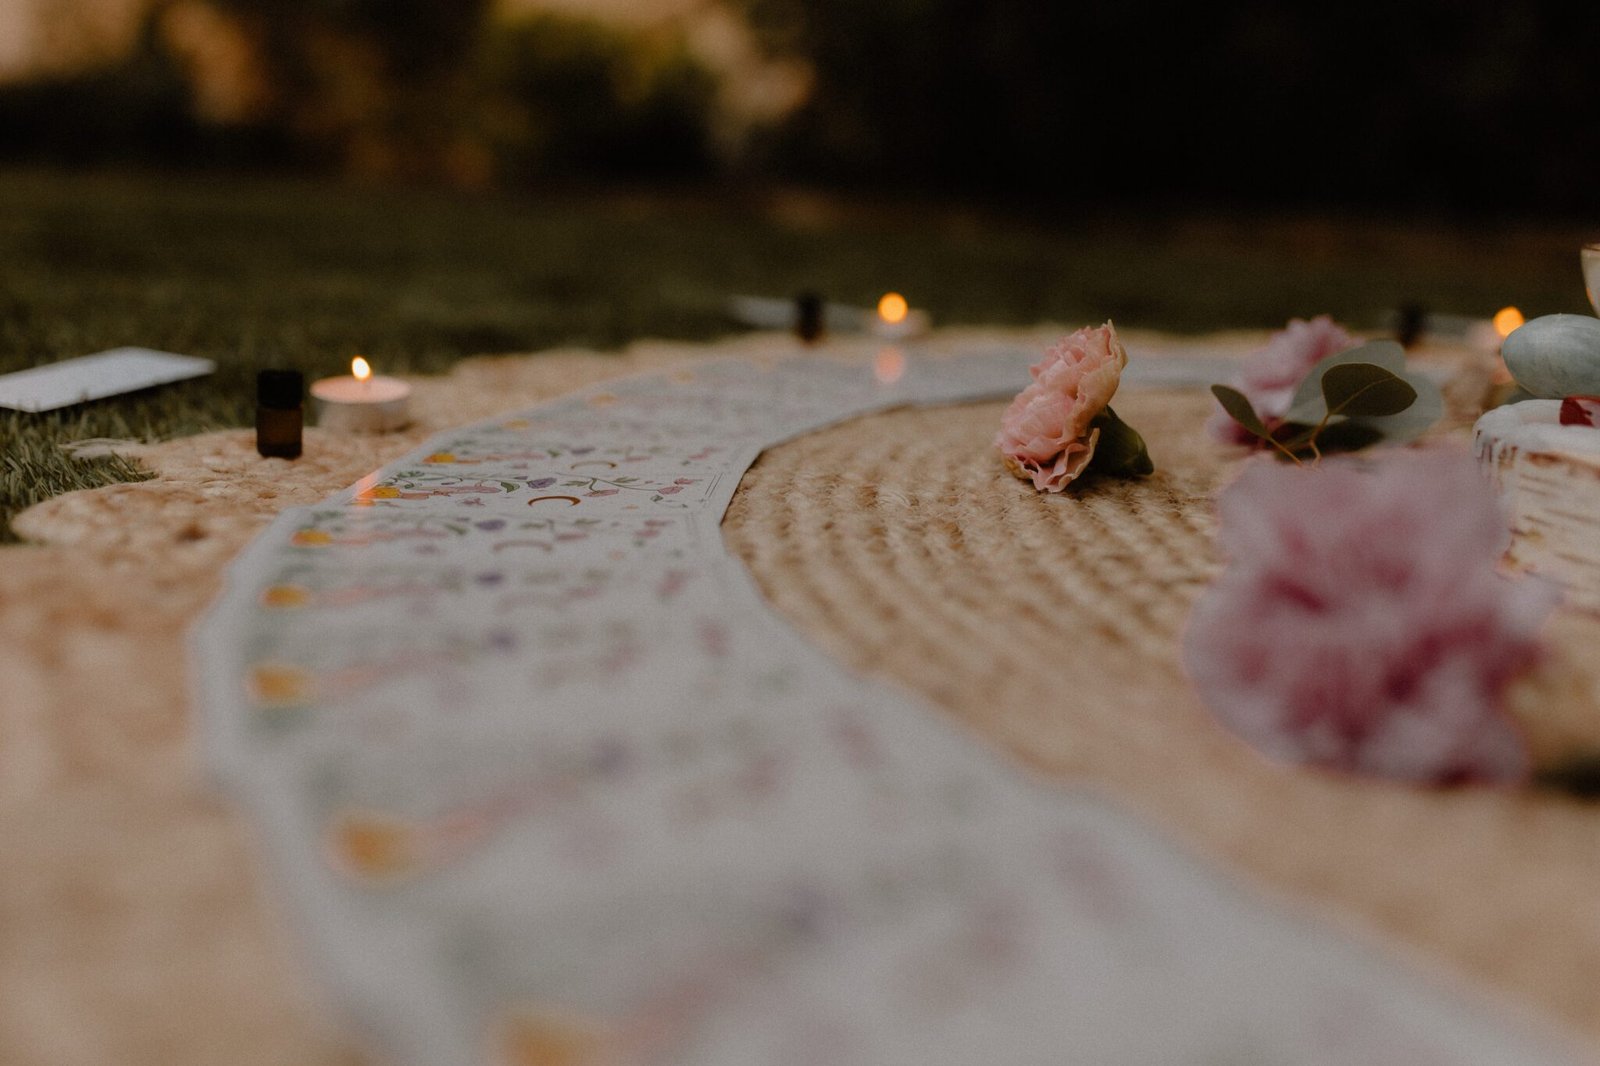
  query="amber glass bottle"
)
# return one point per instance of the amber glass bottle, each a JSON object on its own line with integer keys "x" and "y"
{"x": 279, "y": 414}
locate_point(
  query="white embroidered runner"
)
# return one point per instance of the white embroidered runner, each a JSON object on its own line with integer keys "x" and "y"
{"x": 547, "y": 782}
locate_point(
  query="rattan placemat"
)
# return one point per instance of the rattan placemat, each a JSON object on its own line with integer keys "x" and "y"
{"x": 1051, "y": 625}
{"x": 133, "y": 925}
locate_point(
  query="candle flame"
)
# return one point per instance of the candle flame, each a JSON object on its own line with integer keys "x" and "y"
{"x": 360, "y": 368}
{"x": 1507, "y": 319}
{"x": 893, "y": 308}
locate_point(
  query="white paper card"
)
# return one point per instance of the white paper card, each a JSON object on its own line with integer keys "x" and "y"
{"x": 94, "y": 377}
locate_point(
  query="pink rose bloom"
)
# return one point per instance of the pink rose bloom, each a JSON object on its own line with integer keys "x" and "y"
{"x": 1044, "y": 434}
{"x": 1361, "y": 624}
{"x": 1269, "y": 375}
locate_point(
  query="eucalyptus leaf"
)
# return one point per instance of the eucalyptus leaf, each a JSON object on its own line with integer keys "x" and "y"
{"x": 1121, "y": 451}
{"x": 1309, "y": 406}
{"x": 1414, "y": 420}
{"x": 1349, "y": 436}
{"x": 1238, "y": 408}
{"x": 1365, "y": 389}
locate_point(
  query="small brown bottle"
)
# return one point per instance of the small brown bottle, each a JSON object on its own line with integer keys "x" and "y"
{"x": 279, "y": 415}
{"x": 810, "y": 317}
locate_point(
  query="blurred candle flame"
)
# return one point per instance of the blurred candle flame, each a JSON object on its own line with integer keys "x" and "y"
{"x": 1506, "y": 320}
{"x": 893, "y": 308}
{"x": 360, "y": 368}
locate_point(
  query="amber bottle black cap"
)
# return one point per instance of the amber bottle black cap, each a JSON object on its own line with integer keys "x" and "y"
{"x": 280, "y": 390}
{"x": 809, "y": 311}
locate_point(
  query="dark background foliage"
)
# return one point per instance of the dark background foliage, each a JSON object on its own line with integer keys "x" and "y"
{"x": 1402, "y": 103}
{"x": 1470, "y": 106}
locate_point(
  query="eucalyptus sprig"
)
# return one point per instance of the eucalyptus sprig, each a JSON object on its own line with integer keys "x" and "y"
{"x": 1351, "y": 401}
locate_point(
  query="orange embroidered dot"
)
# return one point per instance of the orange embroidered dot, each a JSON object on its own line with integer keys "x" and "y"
{"x": 278, "y": 685}
{"x": 285, "y": 596}
{"x": 548, "y": 1039}
{"x": 373, "y": 846}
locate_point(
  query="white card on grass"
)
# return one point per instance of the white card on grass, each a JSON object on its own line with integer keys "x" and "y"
{"x": 94, "y": 377}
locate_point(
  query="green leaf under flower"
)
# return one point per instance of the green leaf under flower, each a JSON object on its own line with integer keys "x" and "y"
{"x": 1121, "y": 452}
{"x": 1578, "y": 776}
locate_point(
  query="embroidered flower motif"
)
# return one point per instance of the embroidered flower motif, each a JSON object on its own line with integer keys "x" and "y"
{"x": 1270, "y": 375}
{"x": 1361, "y": 624}
{"x": 1045, "y": 435}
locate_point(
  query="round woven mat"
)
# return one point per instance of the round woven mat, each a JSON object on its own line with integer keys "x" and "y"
{"x": 1051, "y": 624}
{"x": 1047, "y": 623}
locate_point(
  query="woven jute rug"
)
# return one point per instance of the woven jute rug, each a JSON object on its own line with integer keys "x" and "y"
{"x": 134, "y": 924}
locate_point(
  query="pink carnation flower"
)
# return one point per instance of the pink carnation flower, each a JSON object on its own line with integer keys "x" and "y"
{"x": 1269, "y": 376}
{"x": 1361, "y": 624}
{"x": 1045, "y": 434}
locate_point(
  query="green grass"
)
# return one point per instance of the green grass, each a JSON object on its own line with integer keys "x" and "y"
{"x": 276, "y": 272}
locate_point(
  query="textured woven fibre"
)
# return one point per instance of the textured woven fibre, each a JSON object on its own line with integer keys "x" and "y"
{"x": 1051, "y": 624}
{"x": 136, "y": 926}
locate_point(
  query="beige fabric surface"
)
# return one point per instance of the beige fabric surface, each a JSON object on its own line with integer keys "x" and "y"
{"x": 136, "y": 926}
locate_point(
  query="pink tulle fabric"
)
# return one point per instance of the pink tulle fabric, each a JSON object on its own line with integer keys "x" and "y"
{"x": 1269, "y": 376}
{"x": 1361, "y": 624}
{"x": 1045, "y": 435}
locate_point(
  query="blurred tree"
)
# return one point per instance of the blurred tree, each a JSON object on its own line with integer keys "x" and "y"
{"x": 580, "y": 98}
{"x": 1409, "y": 103}
{"x": 388, "y": 88}
{"x": 378, "y": 85}
{"x": 140, "y": 107}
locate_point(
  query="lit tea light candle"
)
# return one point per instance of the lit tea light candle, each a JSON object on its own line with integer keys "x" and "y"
{"x": 895, "y": 318}
{"x": 362, "y": 402}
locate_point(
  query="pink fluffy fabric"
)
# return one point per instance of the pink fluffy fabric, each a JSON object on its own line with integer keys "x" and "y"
{"x": 1268, "y": 377}
{"x": 1361, "y": 625}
